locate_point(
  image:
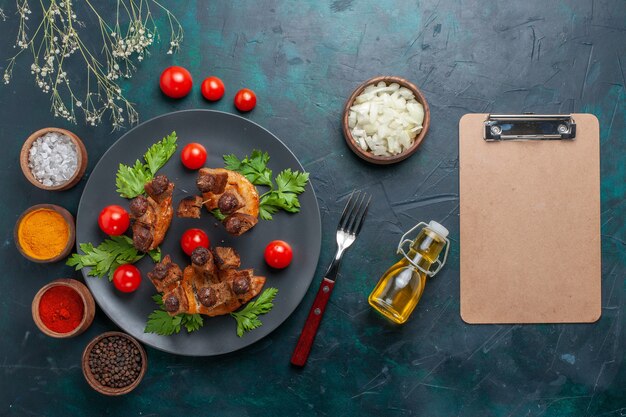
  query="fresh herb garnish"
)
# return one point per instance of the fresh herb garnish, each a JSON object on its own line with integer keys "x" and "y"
{"x": 218, "y": 214}
{"x": 159, "y": 153}
{"x": 160, "y": 322}
{"x": 130, "y": 180}
{"x": 248, "y": 317}
{"x": 106, "y": 257}
{"x": 155, "y": 255}
{"x": 283, "y": 195}
{"x": 254, "y": 167}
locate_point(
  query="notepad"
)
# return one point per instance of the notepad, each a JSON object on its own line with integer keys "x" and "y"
{"x": 529, "y": 218}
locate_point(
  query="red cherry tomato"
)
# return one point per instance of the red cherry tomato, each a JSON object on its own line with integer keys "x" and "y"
{"x": 175, "y": 82}
{"x": 212, "y": 88}
{"x": 245, "y": 99}
{"x": 113, "y": 220}
{"x": 278, "y": 254}
{"x": 127, "y": 278}
{"x": 193, "y": 156}
{"x": 192, "y": 239}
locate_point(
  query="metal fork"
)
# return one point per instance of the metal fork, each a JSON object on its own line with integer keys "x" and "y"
{"x": 347, "y": 230}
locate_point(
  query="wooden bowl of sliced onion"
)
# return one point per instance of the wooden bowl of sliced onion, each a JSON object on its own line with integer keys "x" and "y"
{"x": 385, "y": 120}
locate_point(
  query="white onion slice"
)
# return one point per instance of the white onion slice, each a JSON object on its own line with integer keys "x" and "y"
{"x": 385, "y": 119}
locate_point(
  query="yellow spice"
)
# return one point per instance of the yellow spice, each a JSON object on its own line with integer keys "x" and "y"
{"x": 43, "y": 234}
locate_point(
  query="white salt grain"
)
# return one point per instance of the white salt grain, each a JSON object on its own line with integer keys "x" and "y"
{"x": 53, "y": 159}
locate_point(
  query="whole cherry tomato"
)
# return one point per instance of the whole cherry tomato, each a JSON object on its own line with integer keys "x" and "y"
{"x": 175, "y": 82}
{"x": 114, "y": 220}
{"x": 192, "y": 239}
{"x": 278, "y": 254}
{"x": 193, "y": 155}
{"x": 245, "y": 99}
{"x": 212, "y": 88}
{"x": 127, "y": 278}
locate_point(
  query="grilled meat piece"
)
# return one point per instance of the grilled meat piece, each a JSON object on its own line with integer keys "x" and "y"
{"x": 176, "y": 301}
{"x": 171, "y": 303}
{"x": 190, "y": 207}
{"x": 142, "y": 237}
{"x": 213, "y": 299}
{"x": 229, "y": 202}
{"x": 200, "y": 256}
{"x": 138, "y": 206}
{"x": 165, "y": 274}
{"x": 151, "y": 216}
{"x": 207, "y": 296}
{"x": 203, "y": 263}
{"x": 241, "y": 283}
{"x": 239, "y": 223}
{"x": 228, "y": 301}
{"x": 157, "y": 187}
{"x": 226, "y": 258}
{"x": 198, "y": 290}
{"x": 232, "y": 194}
{"x": 212, "y": 180}
{"x": 227, "y": 274}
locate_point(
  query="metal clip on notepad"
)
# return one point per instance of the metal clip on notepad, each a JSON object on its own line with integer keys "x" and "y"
{"x": 529, "y": 127}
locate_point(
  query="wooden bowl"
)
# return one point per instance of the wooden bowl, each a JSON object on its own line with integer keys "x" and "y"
{"x": 88, "y": 304}
{"x": 385, "y": 160}
{"x": 81, "y": 163}
{"x": 70, "y": 241}
{"x": 108, "y": 390}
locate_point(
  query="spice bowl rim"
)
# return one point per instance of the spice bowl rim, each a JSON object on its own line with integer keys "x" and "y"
{"x": 81, "y": 165}
{"x": 367, "y": 155}
{"x": 96, "y": 385}
{"x": 69, "y": 219}
{"x": 89, "y": 307}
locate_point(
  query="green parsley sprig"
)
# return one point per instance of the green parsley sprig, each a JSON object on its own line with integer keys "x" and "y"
{"x": 130, "y": 180}
{"x": 107, "y": 256}
{"x": 283, "y": 195}
{"x": 248, "y": 317}
{"x": 253, "y": 167}
{"x": 218, "y": 214}
{"x": 160, "y": 322}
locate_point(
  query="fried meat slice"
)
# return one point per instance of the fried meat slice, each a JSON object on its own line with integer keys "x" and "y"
{"x": 190, "y": 207}
{"x": 151, "y": 216}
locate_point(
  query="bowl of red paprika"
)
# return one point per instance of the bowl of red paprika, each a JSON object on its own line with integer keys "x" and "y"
{"x": 63, "y": 308}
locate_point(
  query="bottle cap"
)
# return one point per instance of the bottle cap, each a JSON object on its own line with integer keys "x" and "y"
{"x": 438, "y": 228}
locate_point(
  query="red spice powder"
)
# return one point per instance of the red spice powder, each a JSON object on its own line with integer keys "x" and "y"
{"x": 61, "y": 309}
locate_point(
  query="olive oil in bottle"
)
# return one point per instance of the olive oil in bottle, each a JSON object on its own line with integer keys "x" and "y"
{"x": 401, "y": 287}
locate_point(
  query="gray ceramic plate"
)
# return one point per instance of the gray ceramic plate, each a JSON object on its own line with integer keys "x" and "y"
{"x": 220, "y": 133}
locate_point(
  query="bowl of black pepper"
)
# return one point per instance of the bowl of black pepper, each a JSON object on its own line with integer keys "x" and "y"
{"x": 114, "y": 363}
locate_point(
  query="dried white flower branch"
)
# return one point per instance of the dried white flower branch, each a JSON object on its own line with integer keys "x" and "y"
{"x": 124, "y": 42}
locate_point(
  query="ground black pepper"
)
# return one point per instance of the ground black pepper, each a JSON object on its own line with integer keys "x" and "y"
{"x": 115, "y": 362}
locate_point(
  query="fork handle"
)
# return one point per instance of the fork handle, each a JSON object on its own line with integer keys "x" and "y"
{"x": 307, "y": 336}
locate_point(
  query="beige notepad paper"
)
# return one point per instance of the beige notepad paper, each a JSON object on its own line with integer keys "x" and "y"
{"x": 529, "y": 225}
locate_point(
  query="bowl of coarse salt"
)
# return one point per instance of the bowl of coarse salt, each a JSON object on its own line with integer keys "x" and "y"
{"x": 385, "y": 120}
{"x": 53, "y": 159}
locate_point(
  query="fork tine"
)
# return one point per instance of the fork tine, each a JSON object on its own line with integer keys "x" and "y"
{"x": 356, "y": 210}
{"x": 360, "y": 222}
{"x": 347, "y": 210}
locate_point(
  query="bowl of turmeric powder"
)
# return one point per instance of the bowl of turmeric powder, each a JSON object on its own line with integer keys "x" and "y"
{"x": 45, "y": 233}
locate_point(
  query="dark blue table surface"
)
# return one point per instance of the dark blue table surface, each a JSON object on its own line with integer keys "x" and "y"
{"x": 303, "y": 59}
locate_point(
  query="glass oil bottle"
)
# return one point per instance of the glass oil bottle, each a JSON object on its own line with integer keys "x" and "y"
{"x": 401, "y": 287}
